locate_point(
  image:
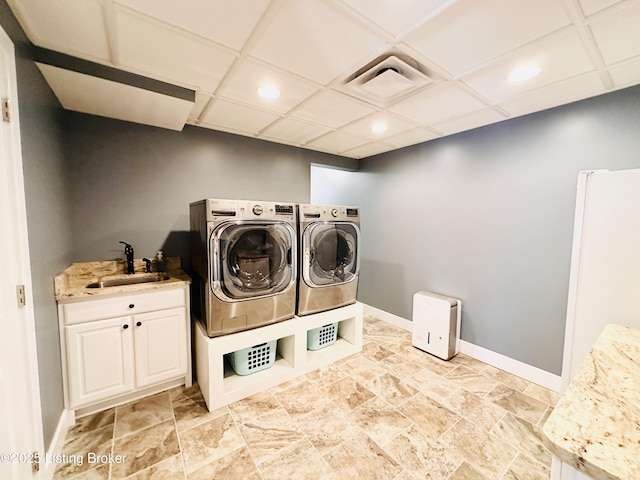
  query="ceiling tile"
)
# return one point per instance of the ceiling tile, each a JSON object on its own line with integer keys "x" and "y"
{"x": 626, "y": 73}
{"x": 97, "y": 96}
{"x": 470, "y": 32}
{"x": 169, "y": 54}
{"x": 411, "y": 137}
{"x": 559, "y": 56}
{"x": 201, "y": 102}
{"x": 368, "y": 150}
{"x": 471, "y": 120}
{"x": 75, "y": 27}
{"x": 397, "y": 17}
{"x": 560, "y": 93}
{"x": 363, "y": 126}
{"x": 294, "y": 131}
{"x": 252, "y": 74}
{"x": 589, "y": 7}
{"x": 238, "y": 117}
{"x": 225, "y": 21}
{"x": 617, "y": 33}
{"x": 337, "y": 142}
{"x": 312, "y": 39}
{"x": 437, "y": 104}
{"x": 331, "y": 109}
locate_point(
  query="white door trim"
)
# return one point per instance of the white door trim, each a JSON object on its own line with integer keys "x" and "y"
{"x": 18, "y": 213}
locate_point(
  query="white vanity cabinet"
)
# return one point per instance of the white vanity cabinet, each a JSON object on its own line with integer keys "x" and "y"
{"x": 123, "y": 347}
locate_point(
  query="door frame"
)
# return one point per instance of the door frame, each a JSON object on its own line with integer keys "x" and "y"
{"x": 21, "y": 241}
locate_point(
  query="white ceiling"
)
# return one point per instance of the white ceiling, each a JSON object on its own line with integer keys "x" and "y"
{"x": 310, "y": 49}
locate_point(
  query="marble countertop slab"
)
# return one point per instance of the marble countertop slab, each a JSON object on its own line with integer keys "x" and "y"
{"x": 71, "y": 284}
{"x": 596, "y": 425}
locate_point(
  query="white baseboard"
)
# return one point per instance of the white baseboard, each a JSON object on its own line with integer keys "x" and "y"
{"x": 47, "y": 469}
{"x": 515, "y": 367}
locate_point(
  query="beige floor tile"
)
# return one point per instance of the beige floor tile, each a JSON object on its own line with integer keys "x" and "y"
{"x": 433, "y": 385}
{"x": 375, "y": 352}
{"x": 467, "y": 361}
{"x": 482, "y": 413}
{"x": 422, "y": 457}
{"x": 286, "y": 463}
{"x": 347, "y": 393}
{"x": 517, "y": 402}
{"x": 543, "y": 394}
{"x": 99, "y": 473}
{"x": 488, "y": 454}
{"x": 325, "y": 376}
{"x": 327, "y": 427}
{"x": 169, "y": 469}
{"x": 379, "y": 420}
{"x": 424, "y": 359}
{"x": 391, "y": 389}
{"x": 400, "y": 366}
{"x": 77, "y": 448}
{"x": 468, "y": 472}
{"x": 93, "y": 422}
{"x": 209, "y": 441}
{"x": 145, "y": 448}
{"x": 524, "y": 436}
{"x": 471, "y": 380}
{"x": 361, "y": 457}
{"x": 190, "y": 409}
{"x": 237, "y": 464}
{"x": 362, "y": 369}
{"x": 507, "y": 378}
{"x": 267, "y": 435}
{"x": 386, "y": 413}
{"x": 143, "y": 413}
{"x": 429, "y": 415}
{"x": 300, "y": 399}
{"x": 524, "y": 468}
{"x": 254, "y": 406}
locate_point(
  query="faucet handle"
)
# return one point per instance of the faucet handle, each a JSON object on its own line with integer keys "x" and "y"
{"x": 147, "y": 265}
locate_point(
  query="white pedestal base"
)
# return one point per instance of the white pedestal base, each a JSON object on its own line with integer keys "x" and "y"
{"x": 220, "y": 385}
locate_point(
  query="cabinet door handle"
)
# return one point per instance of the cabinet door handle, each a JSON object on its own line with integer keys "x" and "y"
{"x": 125, "y": 326}
{"x": 131, "y": 305}
{"x": 138, "y": 324}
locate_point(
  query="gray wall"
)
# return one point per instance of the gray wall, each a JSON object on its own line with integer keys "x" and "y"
{"x": 47, "y": 212}
{"x": 487, "y": 216}
{"x": 134, "y": 183}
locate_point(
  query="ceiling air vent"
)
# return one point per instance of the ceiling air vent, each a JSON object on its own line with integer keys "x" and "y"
{"x": 387, "y": 81}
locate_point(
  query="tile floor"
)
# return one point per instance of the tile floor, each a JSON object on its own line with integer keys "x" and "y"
{"x": 390, "y": 412}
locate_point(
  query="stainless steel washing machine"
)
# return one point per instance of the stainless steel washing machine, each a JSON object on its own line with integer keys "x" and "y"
{"x": 244, "y": 258}
{"x": 329, "y": 244}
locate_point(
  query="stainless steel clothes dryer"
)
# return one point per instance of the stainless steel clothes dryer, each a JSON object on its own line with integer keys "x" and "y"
{"x": 329, "y": 246}
{"x": 244, "y": 259}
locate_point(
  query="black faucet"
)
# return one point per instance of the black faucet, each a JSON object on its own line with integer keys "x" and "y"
{"x": 128, "y": 251}
{"x": 147, "y": 265}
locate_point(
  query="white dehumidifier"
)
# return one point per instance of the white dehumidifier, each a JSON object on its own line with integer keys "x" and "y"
{"x": 436, "y": 324}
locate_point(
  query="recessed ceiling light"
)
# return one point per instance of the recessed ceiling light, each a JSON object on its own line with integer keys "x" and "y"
{"x": 521, "y": 74}
{"x": 379, "y": 127}
{"x": 269, "y": 92}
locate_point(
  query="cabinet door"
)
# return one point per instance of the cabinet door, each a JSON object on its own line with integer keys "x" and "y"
{"x": 160, "y": 346}
{"x": 100, "y": 360}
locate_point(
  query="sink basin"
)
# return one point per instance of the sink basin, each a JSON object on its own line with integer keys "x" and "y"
{"x": 129, "y": 280}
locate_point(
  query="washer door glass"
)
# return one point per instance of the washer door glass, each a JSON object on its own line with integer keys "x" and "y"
{"x": 331, "y": 253}
{"x": 252, "y": 260}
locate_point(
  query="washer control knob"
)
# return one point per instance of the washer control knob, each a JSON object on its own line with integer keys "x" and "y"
{"x": 334, "y": 212}
{"x": 257, "y": 209}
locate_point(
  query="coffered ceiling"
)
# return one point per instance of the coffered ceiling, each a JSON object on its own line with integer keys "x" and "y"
{"x": 444, "y": 63}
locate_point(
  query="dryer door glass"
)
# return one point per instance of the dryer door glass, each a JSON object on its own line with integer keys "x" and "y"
{"x": 252, "y": 260}
{"x": 331, "y": 253}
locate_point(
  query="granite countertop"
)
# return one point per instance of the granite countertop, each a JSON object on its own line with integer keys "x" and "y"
{"x": 596, "y": 425}
{"x": 71, "y": 284}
